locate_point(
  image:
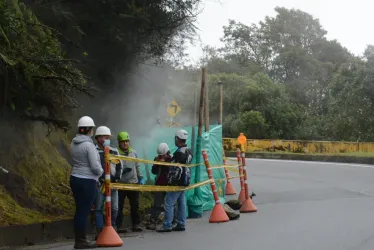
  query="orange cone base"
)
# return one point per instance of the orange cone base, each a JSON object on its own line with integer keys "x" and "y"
{"x": 109, "y": 238}
{"x": 218, "y": 214}
{"x": 241, "y": 197}
{"x": 230, "y": 190}
{"x": 248, "y": 206}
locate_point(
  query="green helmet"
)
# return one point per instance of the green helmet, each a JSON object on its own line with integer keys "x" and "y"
{"x": 123, "y": 136}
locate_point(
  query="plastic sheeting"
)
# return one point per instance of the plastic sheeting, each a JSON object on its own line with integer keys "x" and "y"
{"x": 201, "y": 198}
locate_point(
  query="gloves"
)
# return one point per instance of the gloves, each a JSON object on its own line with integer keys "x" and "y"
{"x": 141, "y": 180}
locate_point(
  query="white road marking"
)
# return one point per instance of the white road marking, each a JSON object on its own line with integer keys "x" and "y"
{"x": 309, "y": 162}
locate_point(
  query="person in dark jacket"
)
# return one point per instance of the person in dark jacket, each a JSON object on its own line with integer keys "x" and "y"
{"x": 102, "y": 136}
{"x": 84, "y": 176}
{"x": 177, "y": 176}
{"x": 161, "y": 173}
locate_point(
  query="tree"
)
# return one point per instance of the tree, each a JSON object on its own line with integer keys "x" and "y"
{"x": 40, "y": 83}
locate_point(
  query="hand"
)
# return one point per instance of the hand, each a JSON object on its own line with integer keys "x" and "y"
{"x": 141, "y": 180}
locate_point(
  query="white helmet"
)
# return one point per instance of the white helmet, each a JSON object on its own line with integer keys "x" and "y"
{"x": 102, "y": 130}
{"x": 162, "y": 148}
{"x": 182, "y": 134}
{"x": 86, "y": 121}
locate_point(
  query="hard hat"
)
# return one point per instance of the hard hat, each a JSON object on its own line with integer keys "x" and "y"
{"x": 86, "y": 121}
{"x": 162, "y": 148}
{"x": 182, "y": 134}
{"x": 123, "y": 136}
{"x": 102, "y": 130}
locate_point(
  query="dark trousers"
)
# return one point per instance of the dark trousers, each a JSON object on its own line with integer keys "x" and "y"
{"x": 133, "y": 197}
{"x": 84, "y": 191}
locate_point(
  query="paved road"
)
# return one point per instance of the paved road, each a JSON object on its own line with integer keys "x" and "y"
{"x": 302, "y": 206}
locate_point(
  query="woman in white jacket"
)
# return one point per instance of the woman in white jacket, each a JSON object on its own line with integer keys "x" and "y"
{"x": 83, "y": 180}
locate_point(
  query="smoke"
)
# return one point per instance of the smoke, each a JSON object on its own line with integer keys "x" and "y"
{"x": 139, "y": 100}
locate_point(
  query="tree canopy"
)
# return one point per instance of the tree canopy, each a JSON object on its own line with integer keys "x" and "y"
{"x": 52, "y": 52}
{"x": 283, "y": 79}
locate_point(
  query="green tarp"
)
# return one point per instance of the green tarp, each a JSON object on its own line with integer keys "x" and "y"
{"x": 199, "y": 199}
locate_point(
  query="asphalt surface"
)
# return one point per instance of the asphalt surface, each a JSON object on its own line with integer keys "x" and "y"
{"x": 301, "y": 206}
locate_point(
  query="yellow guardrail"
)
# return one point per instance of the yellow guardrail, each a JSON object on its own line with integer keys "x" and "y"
{"x": 298, "y": 146}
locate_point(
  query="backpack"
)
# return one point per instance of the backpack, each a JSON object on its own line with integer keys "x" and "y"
{"x": 186, "y": 174}
{"x": 181, "y": 176}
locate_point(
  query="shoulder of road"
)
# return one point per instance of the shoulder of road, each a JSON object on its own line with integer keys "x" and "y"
{"x": 364, "y": 159}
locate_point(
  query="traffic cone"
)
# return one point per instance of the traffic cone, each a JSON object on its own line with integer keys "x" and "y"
{"x": 241, "y": 197}
{"x": 109, "y": 238}
{"x": 230, "y": 190}
{"x": 218, "y": 214}
{"x": 248, "y": 206}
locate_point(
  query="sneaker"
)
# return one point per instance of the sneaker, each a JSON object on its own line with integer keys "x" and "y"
{"x": 161, "y": 229}
{"x": 137, "y": 228}
{"x": 179, "y": 228}
{"x": 174, "y": 224}
{"x": 151, "y": 227}
{"x": 122, "y": 230}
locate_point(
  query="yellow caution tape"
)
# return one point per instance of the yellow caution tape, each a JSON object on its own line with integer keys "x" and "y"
{"x": 113, "y": 158}
{"x": 220, "y": 190}
{"x": 150, "y": 188}
{"x": 102, "y": 188}
{"x": 225, "y": 166}
{"x": 234, "y": 170}
{"x": 231, "y": 177}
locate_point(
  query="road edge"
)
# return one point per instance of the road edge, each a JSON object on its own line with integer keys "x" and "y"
{"x": 304, "y": 157}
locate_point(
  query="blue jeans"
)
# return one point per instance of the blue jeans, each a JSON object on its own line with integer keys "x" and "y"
{"x": 99, "y": 205}
{"x": 170, "y": 200}
{"x": 84, "y": 191}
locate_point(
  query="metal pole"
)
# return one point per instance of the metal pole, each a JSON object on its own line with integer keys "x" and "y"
{"x": 220, "y": 101}
{"x": 202, "y": 95}
{"x": 206, "y": 106}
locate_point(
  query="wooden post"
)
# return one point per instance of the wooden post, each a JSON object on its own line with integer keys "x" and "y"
{"x": 202, "y": 95}
{"x": 220, "y": 101}
{"x": 206, "y": 106}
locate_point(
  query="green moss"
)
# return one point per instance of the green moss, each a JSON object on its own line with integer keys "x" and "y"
{"x": 46, "y": 174}
{"x": 11, "y": 213}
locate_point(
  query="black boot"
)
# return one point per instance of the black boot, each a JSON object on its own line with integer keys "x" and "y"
{"x": 81, "y": 241}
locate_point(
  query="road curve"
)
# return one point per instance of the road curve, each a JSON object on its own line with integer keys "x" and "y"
{"x": 302, "y": 206}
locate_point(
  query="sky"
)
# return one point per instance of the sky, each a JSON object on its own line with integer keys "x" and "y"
{"x": 350, "y": 22}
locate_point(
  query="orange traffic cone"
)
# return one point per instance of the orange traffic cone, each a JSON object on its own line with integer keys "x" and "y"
{"x": 109, "y": 238}
{"x": 241, "y": 197}
{"x": 248, "y": 206}
{"x": 218, "y": 214}
{"x": 230, "y": 190}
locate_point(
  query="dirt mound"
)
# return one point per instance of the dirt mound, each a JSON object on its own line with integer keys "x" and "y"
{"x": 16, "y": 187}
